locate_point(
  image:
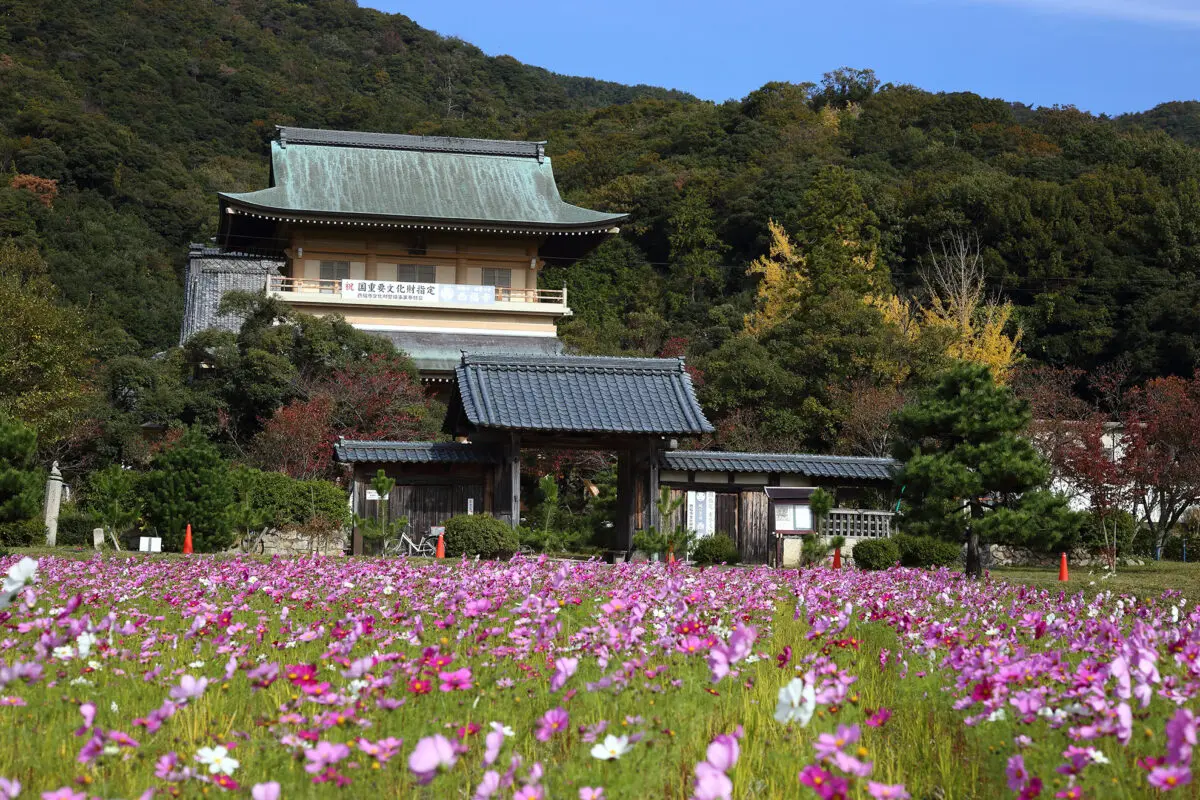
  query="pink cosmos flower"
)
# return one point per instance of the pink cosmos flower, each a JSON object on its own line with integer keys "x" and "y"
{"x": 723, "y": 752}
{"x": 825, "y": 784}
{"x": 711, "y": 783}
{"x": 828, "y": 745}
{"x": 1170, "y": 777}
{"x": 460, "y": 679}
{"x": 886, "y": 791}
{"x": 590, "y": 793}
{"x": 552, "y": 722}
{"x": 189, "y": 688}
{"x": 878, "y": 719}
{"x": 88, "y": 712}
{"x": 488, "y": 786}
{"x": 9, "y": 789}
{"x": 265, "y": 791}
{"x": 531, "y": 792}
{"x": 65, "y": 793}
{"x": 564, "y": 668}
{"x": 431, "y": 754}
{"x": 1181, "y": 737}
{"x": 325, "y": 754}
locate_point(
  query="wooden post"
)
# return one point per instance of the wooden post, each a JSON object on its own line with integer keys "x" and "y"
{"x": 652, "y": 486}
{"x": 356, "y": 539}
{"x": 623, "y": 531}
{"x": 514, "y": 476}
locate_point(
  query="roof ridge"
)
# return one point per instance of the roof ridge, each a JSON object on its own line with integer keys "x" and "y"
{"x": 407, "y": 141}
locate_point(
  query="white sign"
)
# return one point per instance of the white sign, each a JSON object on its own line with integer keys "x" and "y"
{"x": 793, "y": 517}
{"x": 419, "y": 292}
{"x": 150, "y": 544}
{"x": 374, "y": 495}
{"x": 702, "y": 512}
{"x": 470, "y": 505}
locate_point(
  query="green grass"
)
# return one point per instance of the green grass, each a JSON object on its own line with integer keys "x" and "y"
{"x": 1145, "y": 582}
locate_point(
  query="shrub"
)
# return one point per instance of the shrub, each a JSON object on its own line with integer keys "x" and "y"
{"x": 22, "y": 533}
{"x": 75, "y": 526}
{"x": 479, "y": 535}
{"x": 926, "y": 551}
{"x": 876, "y": 554}
{"x": 189, "y": 484}
{"x": 282, "y": 501}
{"x": 716, "y": 549}
{"x": 20, "y": 479}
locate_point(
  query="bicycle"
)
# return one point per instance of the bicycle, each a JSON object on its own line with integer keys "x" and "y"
{"x": 406, "y": 546}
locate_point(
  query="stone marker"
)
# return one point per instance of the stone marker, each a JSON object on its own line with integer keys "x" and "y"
{"x": 97, "y": 538}
{"x": 54, "y": 488}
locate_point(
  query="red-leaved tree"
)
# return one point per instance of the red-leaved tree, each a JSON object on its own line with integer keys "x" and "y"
{"x": 1161, "y": 447}
{"x": 377, "y": 398}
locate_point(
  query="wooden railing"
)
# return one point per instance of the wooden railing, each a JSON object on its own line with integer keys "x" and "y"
{"x": 853, "y": 523}
{"x": 504, "y": 294}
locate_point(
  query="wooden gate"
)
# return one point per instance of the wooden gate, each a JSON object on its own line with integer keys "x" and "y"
{"x": 754, "y": 539}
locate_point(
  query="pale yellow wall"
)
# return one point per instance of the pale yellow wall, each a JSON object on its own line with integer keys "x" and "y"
{"x": 459, "y": 258}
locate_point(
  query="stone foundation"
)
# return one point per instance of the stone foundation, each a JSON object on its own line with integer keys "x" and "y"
{"x": 296, "y": 543}
{"x": 998, "y": 555}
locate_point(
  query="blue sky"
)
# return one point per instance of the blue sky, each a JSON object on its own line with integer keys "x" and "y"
{"x": 1104, "y": 56}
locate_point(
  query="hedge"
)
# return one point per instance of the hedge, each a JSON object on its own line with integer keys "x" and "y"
{"x": 876, "y": 554}
{"x": 716, "y": 549}
{"x": 479, "y": 535}
{"x": 926, "y": 551}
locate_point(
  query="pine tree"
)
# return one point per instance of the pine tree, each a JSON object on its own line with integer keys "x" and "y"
{"x": 189, "y": 483}
{"x": 970, "y": 473}
{"x": 20, "y": 480}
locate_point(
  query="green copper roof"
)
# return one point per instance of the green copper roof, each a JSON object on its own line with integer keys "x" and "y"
{"x": 416, "y": 178}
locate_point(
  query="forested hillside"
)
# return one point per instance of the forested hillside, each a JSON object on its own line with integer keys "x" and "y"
{"x": 120, "y": 119}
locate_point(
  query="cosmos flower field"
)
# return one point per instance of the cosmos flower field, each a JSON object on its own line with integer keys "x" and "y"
{"x": 209, "y": 677}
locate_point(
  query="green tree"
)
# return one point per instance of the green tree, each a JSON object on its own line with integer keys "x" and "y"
{"x": 112, "y": 499}
{"x": 45, "y": 348}
{"x": 189, "y": 483}
{"x": 970, "y": 474}
{"x": 20, "y": 479}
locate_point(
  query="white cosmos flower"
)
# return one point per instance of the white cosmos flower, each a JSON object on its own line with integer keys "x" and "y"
{"x": 113, "y": 707}
{"x": 504, "y": 729}
{"x": 217, "y": 760}
{"x": 19, "y": 574}
{"x": 797, "y": 702}
{"x": 612, "y": 747}
{"x": 196, "y": 664}
{"x": 1097, "y": 757}
{"x": 64, "y": 653}
{"x": 996, "y": 716}
{"x": 84, "y": 643}
{"x": 81, "y": 681}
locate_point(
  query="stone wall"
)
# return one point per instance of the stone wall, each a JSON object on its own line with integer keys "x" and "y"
{"x": 998, "y": 555}
{"x": 296, "y": 543}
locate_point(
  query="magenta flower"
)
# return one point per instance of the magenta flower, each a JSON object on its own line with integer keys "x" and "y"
{"x": 825, "y": 784}
{"x": 460, "y": 679}
{"x": 1170, "y": 777}
{"x": 564, "y": 668}
{"x": 878, "y": 719}
{"x": 886, "y": 791}
{"x": 431, "y": 754}
{"x": 325, "y": 754}
{"x": 1016, "y": 773}
{"x": 552, "y": 722}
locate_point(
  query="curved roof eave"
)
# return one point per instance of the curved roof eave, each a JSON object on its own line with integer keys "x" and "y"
{"x": 599, "y": 225}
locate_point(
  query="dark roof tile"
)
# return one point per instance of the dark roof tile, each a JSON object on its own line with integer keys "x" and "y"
{"x": 813, "y": 466}
{"x": 579, "y": 393}
{"x": 349, "y": 451}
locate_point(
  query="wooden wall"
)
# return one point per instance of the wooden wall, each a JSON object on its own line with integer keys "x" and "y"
{"x": 427, "y": 494}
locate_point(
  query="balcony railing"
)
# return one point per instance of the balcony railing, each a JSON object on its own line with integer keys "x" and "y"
{"x": 403, "y": 292}
{"x": 853, "y": 523}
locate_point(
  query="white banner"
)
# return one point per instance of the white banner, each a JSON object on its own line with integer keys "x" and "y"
{"x": 419, "y": 292}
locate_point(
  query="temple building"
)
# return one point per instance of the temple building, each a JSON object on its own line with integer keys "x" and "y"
{"x": 435, "y": 243}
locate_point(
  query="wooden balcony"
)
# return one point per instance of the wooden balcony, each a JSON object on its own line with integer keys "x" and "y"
{"x": 856, "y": 524}
{"x": 357, "y": 292}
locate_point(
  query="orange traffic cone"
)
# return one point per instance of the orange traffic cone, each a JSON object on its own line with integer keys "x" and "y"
{"x": 670, "y": 556}
{"x": 837, "y": 558}
{"x": 1062, "y": 568}
{"x": 187, "y": 540}
{"x": 441, "y": 547}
